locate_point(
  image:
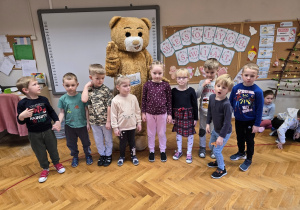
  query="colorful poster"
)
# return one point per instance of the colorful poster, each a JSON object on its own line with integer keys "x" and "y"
{"x": 230, "y": 38}
{"x": 265, "y": 53}
{"x": 193, "y": 53}
{"x": 226, "y": 57}
{"x": 263, "y": 63}
{"x": 182, "y": 57}
{"x": 197, "y": 33}
{"x": 266, "y": 41}
{"x": 238, "y": 78}
{"x": 241, "y": 43}
{"x": 204, "y": 51}
{"x": 208, "y": 34}
{"x": 166, "y": 48}
{"x": 286, "y": 34}
{"x": 220, "y": 35}
{"x": 263, "y": 72}
{"x": 215, "y": 52}
{"x": 175, "y": 40}
{"x": 186, "y": 36}
{"x": 267, "y": 30}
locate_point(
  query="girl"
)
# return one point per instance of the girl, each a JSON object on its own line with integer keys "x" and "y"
{"x": 157, "y": 109}
{"x": 185, "y": 113}
{"x": 125, "y": 118}
{"x": 268, "y": 111}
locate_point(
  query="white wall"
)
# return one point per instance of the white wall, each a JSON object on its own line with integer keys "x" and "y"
{"x": 15, "y": 18}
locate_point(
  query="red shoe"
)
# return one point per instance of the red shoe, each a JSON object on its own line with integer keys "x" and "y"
{"x": 43, "y": 176}
{"x": 60, "y": 168}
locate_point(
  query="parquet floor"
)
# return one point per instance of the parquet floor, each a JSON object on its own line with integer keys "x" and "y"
{"x": 272, "y": 182}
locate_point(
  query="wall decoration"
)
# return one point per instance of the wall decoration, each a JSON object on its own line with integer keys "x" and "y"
{"x": 226, "y": 57}
{"x": 286, "y": 34}
{"x": 197, "y": 33}
{"x": 204, "y": 51}
{"x": 175, "y": 40}
{"x": 193, "y": 53}
{"x": 182, "y": 57}
{"x": 220, "y": 35}
{"x": 241, "y": 43}
{"x": 166, "y": 48}
{"x": 252, "y": 53}
{"x": 215, "y": 52}
{"x": 208, "y": 34}
{"x": 186, "y": 36}
{"x": 252, "y": 30}
{"x": 267, "y": 29}
{"x": 229, "y": 40}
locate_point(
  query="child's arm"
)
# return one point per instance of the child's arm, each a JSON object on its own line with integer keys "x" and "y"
{"x": 259, "y": 105}
{"x": 114, "y": 118}
{"x": 138, "y": 115}
{"x": 56, "y": 126}
{"x": 200, "y": 88}
{"x": 108, "y": 120}
{"x": 282, "y": 130}
{"x": 144, "y": 102}
{"x": 195, "y": 106}
{"x": 88, "y": 126}
{"x": 61, "y": 115}
{"x": 169, "y": 103}
{"x": 25, "y": 114}
{"x": 226, "y": 123}
{"x": 231, "y": 97}
{"x": 85, "y": 93}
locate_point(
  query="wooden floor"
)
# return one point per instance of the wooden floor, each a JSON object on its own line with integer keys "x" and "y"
{"x": 272, "y": 181}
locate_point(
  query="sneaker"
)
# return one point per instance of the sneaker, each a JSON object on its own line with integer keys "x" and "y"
{"x": 212, "y": 164}
{"x": 238, "y": 156}
{"x": 135, "y": 161}
{"x": 107, "y": 161}
{"x": 121, "y": 161}
{"x": 245, "y": 165}
{"x": 60, "y": 168}
{"x": 273, "y": 129}
{"x": 202, "y": 152}
{"x": 74, "y": 162}
{"x": 43, "y": 176}
{"x": 101, "y": 160}
{"x": 261, "y": 129}
{"x": 274, "y": 133}
{"x": 219, "y": 173}
{"x": 212, "y": 155}
{"x": 177, "y": 155}
{"x": 163, "y": 157}
{"x": 151, "y": 157}
{"x": 189, "y": 158}
{"x": 89, "y": 160}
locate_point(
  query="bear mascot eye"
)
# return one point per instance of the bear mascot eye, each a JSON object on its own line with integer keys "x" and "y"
{"x": 140, "y": 34}
{"x": 128, "y": 34}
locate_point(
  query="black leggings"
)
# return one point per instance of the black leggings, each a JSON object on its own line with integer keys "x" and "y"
{"x": 127, "y": 136}
{"x": 244, "y": 134}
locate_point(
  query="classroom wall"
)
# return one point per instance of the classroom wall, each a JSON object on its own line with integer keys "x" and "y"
{"x": 15, "y": 18}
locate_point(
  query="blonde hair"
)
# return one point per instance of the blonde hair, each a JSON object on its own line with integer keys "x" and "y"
{"x": 157, "y": 63}
{"x": 121, "y": 79}
{"x": 69, "y": 76}
{"x": 251, "y": 66}
{"x": 211, "y": 64}
{"x": 96, "y": 69}
{"x": 226, "y": 80}
{"x": 23, "y": 82}
{"x": 182, "y": 71}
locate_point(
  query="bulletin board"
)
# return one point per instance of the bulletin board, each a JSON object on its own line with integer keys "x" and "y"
{"x": 240, "y": 58}
{"x": 11, "y": 40}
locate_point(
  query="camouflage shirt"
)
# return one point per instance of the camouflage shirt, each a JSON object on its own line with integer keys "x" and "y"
{"x": 99, "y": 99}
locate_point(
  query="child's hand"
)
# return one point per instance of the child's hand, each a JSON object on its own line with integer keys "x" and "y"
{"x": 280, "y": 145}
{"x": 107, "y": 125}
{"x": 169, "y": 119}
{"x": 195, "y": 122}
{"x": 56, "y": 126}
{"x": 207, "y": 128}
{"x": 88, "y": 126}
{"x": 173, "y": 121}
{"x": 117, "y": 131}
{"x": 89, "y": 84}
{"x": 255, "y": 129}
{"x": 139, "y": 127}
{"x": 144, "y": 117}
{"x": 219, "y": 141}
{"x": 25, "y": 114}
{"x": 297, "y": 135}
{"x": 206, "y": 82}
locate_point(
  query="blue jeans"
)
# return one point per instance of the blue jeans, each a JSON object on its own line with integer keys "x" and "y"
{"x": 218, "y": 149}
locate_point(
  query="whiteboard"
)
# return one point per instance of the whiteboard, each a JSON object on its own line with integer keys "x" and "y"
{"x": 75, "y": 38}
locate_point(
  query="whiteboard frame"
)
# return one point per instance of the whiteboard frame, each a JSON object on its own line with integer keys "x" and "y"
{"x": 98, "y": 9}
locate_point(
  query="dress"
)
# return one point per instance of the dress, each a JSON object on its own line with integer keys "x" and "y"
{"x": 185, "y": 111}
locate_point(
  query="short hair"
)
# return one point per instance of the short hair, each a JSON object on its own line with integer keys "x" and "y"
{"x": 298, "y": 113}
{"x": 121, "y": 79}
{"x": 211, "y": 64}
{"x": 69, "y": 76}
{"x": 252, "y": 66}
{"x": 268, "y": 92}
{"x": 23, "y": 82}
{"x": 157, "y": 63}
{"x": 181, "y": 72}
{"x": 96, "y": 69}
{"x": 226, "y": 80}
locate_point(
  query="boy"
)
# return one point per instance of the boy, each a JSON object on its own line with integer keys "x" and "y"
{"x": 76, "y": 115}
{"x": 37, "y": 113}
{"x": 219, "y": 111}
{"x": 205, "y": 89}
{"x": 99, "y": 99}
{"x": 290, "y": 125}
{"x": 247, "y": 101}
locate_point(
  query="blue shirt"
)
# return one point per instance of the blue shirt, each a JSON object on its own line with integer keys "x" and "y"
{"x": 247, "y": 103}
{"x": 268, "y": 111}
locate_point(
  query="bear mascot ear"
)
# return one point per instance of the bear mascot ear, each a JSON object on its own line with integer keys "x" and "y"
{"x": 114, "y": 21}
{"x": 147, "y": 21}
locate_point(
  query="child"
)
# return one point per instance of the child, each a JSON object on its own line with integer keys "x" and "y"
{"x": 205, "y": 89}
{"x": 185, "y": 113}
{"x": 219, "y": 111}
{"x": 290, "y": 128}
{"x": 247, "y": 101}
{"x": 99, "y": 99}
{"x": 157, "y": 109}
{"x": 125, "y": 118}
{"x": 268, "y": 111}
{"x": 37, "y": 113}
{"x": 76, "y": 115}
